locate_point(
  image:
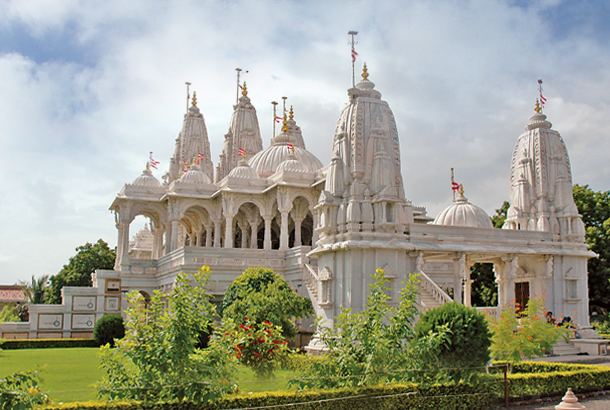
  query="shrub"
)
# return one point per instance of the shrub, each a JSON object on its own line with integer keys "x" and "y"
{"x": 158, "y": 360}
{"x": 261, "y": 294}
{"x": 525, "y": 337}
{"x": 45, "y": 343}
{"x": 468, "y": 342}
{"x": 20, "y": 391}
{"x": 109, "y": 327}
{"x": 378, "y": 344}
{"x": 259, "y": 346}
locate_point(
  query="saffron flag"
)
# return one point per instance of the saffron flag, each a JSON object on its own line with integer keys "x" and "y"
{"x": 242, "y": 152}
{"x": 542, "y": 97}
{"x": 455, "y": 186}
{"x": 354, "y": 55}
{"x": 153, "y": 162}
{"x": 278, "y": 119}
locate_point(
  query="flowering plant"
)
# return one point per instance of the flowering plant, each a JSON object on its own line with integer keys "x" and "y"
{"x": 259, "y": 346}
{"x": 21, "y": 391}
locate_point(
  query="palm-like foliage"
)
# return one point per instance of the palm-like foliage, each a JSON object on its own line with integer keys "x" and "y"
{"x": 34, "y": 290}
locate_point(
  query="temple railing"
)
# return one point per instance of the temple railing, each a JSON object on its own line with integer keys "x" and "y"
{"x": 433, "y": 289}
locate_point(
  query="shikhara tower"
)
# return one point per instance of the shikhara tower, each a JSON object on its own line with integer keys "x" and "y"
{"x": 327, "y": 228}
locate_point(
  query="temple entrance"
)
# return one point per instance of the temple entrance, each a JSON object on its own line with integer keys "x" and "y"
{"x": 522, "y": 295}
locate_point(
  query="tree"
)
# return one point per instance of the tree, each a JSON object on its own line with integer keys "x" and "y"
{"x": 158, "y": 358}
{"x": 595, "y": 210}
{"x": 77, "y": 272}
{"x": 34, "y": 291}
{"x": 9, "y": 314}
{"x": 261, "y": 294}
{"x": 529, "y": 335}
{"x": 498, "y": 219}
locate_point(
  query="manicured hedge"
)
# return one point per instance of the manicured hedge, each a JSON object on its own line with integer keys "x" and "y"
{"x": 556, "y": 380}
{"x": 45, "y": 343}
{"x": 391, "y": 397}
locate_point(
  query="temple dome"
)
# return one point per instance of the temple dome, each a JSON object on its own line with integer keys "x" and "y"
{"x": 195, "y": 176}
{"x": 243, "y": 171}
{"x": 463, "y": 213}
{"x": 267, "y": 162}
{"x": 292, "y": 165}
{"x": 147, "y": 179}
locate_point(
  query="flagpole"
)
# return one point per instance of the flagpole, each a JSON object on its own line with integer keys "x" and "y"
{"x": 237, "y": 88}
{"x": 188, "y": 95}
{"x": 353, "y": 34}
{"x": 274, "y": 103}
{"x": 452, "y": 181}
{"x": 284, "y": 105}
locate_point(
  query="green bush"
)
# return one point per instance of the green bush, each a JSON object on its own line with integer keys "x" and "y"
{"x": 469, "y": 338}
{"x": 13, "y": 344}
{"x": 109, "y": 327}
{"x": 19, "y": 391}
{"x": 261, "y": 294}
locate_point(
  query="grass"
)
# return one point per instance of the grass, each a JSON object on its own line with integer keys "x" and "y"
{"x": 71, "y": 374}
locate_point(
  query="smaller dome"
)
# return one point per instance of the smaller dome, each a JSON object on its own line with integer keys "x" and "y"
{"x": 195, "y": 176}
{"x": 292, "y": 165}
{"x": 243, "y": 171}
{"x": 463, "y": 213}
{"x": 147, "y": 179}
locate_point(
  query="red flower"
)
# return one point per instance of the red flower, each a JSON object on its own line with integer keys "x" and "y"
{"x": 267, "y": 323}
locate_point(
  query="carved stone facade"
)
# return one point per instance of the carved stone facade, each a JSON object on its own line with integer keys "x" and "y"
{"x": 327, "y": 229}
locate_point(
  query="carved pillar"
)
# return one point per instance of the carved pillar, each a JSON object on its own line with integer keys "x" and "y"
{"x": 217, "y": 233}
{"x": 267, "y": 238}
{"x": 244, "y": 235}
{"x": 253, "y": 233}
{"x": 284, "y": 230}
{"x": 175, "y": 234}
{"x": 464, "y": 269}
{"x": 157, "y": 250}
{"x": 314, "y": 234}
{"x": 208, "y": 236}
{"x": 228, "y": 231}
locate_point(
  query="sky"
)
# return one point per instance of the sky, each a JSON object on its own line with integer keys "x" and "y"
{"x": 87, "y": 89}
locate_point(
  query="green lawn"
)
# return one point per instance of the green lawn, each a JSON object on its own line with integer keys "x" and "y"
{"x": 70, "y": 374}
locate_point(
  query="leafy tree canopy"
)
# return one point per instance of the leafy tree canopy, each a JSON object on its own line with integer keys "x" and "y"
{"x": 77, "y": 272}
{"x": 261, "y": 294}
{"x": 595, "y": 210}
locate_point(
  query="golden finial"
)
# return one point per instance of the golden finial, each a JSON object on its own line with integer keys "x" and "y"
{"x": 538, "y": 107}
{"x": 194, "y": 99}
{"x": 285, "y": 124}
{"x": 291, "y": 113}
{"x": 365, "y": 72}
{"x": 244, "y": 90}
{"x": 461, "y": 189}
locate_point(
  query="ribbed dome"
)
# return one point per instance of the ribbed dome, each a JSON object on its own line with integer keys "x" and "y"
{"x": 292, "y": 165}
{"x": 147, "y": 179}
{"x": 463, "y": 213}
{"x": 243, "y": 171}
{"x": 266, "y": 162}
{"x": 195, "y": 176}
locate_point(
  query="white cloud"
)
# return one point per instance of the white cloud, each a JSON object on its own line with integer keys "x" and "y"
{"x": 459, "y": 76}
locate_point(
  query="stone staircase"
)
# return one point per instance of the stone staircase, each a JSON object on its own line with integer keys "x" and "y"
{"x": 563, "y": 348}
{"x": 429, "y": 294}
